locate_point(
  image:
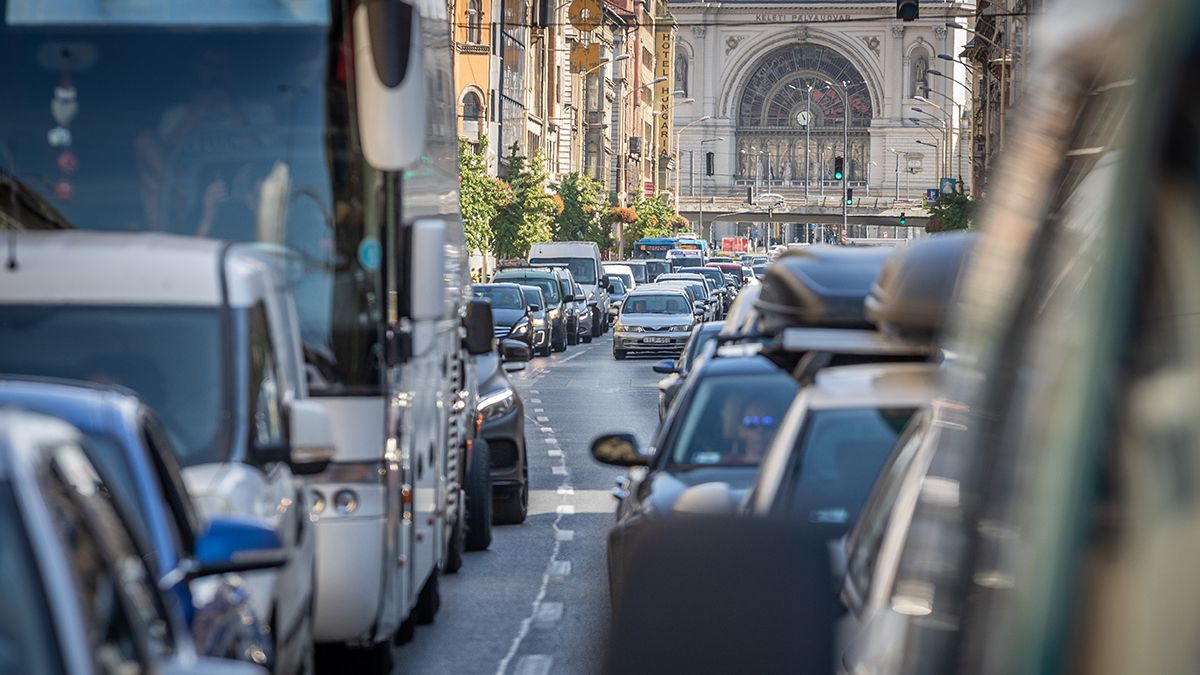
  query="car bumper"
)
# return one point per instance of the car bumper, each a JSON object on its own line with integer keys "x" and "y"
{"x": 650, "y": 342}
{"x": 541, "y": 337}
{"x": 505, "y": 435}
{"x": 348, "y": 586}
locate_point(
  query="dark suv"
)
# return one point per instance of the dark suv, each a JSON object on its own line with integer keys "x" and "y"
{"x": 552, "y": 282}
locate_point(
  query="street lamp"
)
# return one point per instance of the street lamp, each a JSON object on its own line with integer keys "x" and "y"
{"x": 1004, "y": 54}
{"x": 937, "y": 164}
{"x": 945, "y": 125}
{"x": 897, "y": 153}
{"x": 678, "y": 136}
{"x": 700, "y": 230}
{"x": 844, "y": 90}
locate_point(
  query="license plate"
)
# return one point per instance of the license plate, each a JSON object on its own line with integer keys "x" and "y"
{"x": 656, "y": 340}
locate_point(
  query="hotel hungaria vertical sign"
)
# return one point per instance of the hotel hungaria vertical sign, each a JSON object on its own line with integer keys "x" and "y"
{"x": 664, "y": 64}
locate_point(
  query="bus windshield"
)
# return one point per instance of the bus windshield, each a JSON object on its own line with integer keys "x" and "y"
{"x": 239, "y": 127}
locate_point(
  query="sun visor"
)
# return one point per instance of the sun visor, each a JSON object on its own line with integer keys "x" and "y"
{"x": 819, "y": 286}
{"x": 916, "y": 285}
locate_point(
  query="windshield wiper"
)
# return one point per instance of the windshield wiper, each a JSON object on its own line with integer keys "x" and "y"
{"x": 22, "y": 208}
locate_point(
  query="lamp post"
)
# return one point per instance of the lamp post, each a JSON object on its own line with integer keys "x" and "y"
{"x": 947, "y": 127}
{"x": 1004, "y": 60}
{"x": 678, "y": 136}
{"x": 897, "y": 153}
{"x": 937, "y": 137}
{"x": 700, "y": 230}
{"x": 844, "y": 90}
{"x": 583, "y": 108}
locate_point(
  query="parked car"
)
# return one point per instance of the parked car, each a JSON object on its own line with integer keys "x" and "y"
{"x": 624, "y": 272}
{"x": 677, "y": 370}
{"x": 574, "y": 311}
{"x": 75, "y": 577}
{"x": 616, "y": 295}
{"x": 718, "y": 430}
{"x": 510, "y": 311}
{"x": 640, "y": 270}
{"x": 205, "y": 333}
{"x": 133, "y": 453}
{"x": 560, "y": 312}
{"x": 582, "y": 258}
{"x": 584, "y": 314}
{"x": 539, "y": 318}
{"x": 653, "y": 320}
{"x": 503, "y": 427}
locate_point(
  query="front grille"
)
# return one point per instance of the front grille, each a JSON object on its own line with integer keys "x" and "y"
{"x": 502, "y": 331}
{"x": 504, "y": 453}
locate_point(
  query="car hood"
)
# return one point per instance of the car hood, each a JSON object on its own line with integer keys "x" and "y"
{"x": 654, "y": 320}
{"x": 666, "y": 486}
{"x": 507, "y": 317}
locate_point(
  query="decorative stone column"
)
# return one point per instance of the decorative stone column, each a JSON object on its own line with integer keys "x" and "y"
{"x": 898, "y": 72}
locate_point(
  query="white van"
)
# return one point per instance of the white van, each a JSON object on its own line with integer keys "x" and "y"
{"x": 583, "y": 259}
{"x": 206, "y": 333}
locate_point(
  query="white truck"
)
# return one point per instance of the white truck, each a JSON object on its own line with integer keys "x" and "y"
{"x": 582, "y": 258}
{"x": 324, "y": 131}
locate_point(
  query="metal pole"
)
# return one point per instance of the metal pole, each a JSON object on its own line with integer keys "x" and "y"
{"x": 845, "y": 153}
{"x": 897, "y": 154}
{"x": 807, "y": 141}
{"x": 700, "y": 231}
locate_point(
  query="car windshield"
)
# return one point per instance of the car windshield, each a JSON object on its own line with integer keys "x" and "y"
{"x": 731, "y": 419}
{"x": 171, "y": 357}
{"x": 548, "y": 285}
{"x": 639, "y": 272}
{"x": 501, "y": 297}
{"x": 28, "y": 643}
{"x": 709, "y": 273}
{"x": 655, "y": 268}
{"x": 615, "y": 285}
{"x": 533, "y": 297}
{"x": 681, "y": 262}
{"x": 836, "y": 460}
{"x": 656, "y": 304}
{"x": 583, "y": 269}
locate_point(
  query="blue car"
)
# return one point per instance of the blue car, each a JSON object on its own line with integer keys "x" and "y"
{"x": 133, "y": 453}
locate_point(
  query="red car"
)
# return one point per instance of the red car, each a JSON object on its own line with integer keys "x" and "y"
{"x": 731, "y": 268}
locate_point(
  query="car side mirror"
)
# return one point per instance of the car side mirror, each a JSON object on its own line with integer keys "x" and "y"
{"x": 618, "y": 450}
{"x": 665, "y": 367}
{"x": 232, "y": 545}
{"x": 481, "y": 327}
{"x": 390, "y": 84}
{"x": 313, "y": 447}
{"x": 535, "y": 308}
{"x": 427, "y": 291}
{"x": 514, "y": 351}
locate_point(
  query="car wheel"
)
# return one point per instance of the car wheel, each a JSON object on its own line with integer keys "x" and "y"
{"x": 373, "y": 659}
{"x": 573, "y": 336}
{"x": 544, "y": 351}
{"x": 429, "y": 601}
{"x": 458, "y": 537}
{"x": 560, "y": 345}
{"x": 515, "y": 509}
{"x": 587, "y": 337}
{"x": 618, "y": 355}
{"x": 479, "y": 497}
{"x": 597, "y": 324}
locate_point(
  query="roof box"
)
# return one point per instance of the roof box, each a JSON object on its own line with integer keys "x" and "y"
{"x": 916, "y": 284}
{"x": 819, "y": 286}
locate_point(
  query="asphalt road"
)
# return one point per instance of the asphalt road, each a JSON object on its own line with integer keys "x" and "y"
{"x": 537, "y": 601}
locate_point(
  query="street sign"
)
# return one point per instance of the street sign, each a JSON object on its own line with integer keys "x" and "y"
{"x": 932, "y": 194}
{"x": 648, "y": 189}
{"x": 948, "y": 185}
{"x": 585, "y": 15}
{"x": 584, "y": 57}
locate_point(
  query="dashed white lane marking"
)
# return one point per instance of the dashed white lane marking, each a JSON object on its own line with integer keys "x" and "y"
{"x": 543, "y": 418}
{"x": 564, "y": 535}
{"x": 548, "y": 614}
{"x": 566, "y": 490}
{"x": 534, "y": 664}
{"x": 560, "y": 568}
{"x": 539, "y": 410}
{"x": 554, "y": 453}
{"x": 534, "y": 400}
{"x": 558, "y": 470}
{"x": 552, "y": 440}
{"x": 565, "y": 510}
{"x": 547, "y": 430}
{"x": 576, "y": 354}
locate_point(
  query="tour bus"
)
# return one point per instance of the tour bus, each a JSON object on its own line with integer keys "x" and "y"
{"x": 653, "y": 247}
{"x": 325, "y": 132}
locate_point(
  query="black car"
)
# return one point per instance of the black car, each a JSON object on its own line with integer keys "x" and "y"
{"x": 510, "y": 312}
{"x": 550, "y": 281}
{"x": 540, "y": 318}
{"x": 503, "y": 427}
{"x": 677, "y": 371}
{"x": 721, "y": 425}
{"x": 719, "y": 280}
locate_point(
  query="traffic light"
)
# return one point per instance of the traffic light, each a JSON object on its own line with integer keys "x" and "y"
{"x": 849, "y": 197}
{"x": 907, "y": 10}
{"x": 902, "y": 218}
{"x": 710, "y": 163}
{"x": 750, "y": 195}
{"x": 839, "y": 165}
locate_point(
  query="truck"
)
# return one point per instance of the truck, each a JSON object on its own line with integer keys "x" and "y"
{"x": 323, "y": 133}
{"x": 582, "y": 258}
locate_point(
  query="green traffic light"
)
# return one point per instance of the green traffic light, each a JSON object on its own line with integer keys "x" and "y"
{"x": 902, "y": 218}
{"x": 838, "y": 175}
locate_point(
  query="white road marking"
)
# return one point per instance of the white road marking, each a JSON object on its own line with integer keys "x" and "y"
{"x": 552, "y": 440}
{"x": 539, "y": 410}
{"x": 534, "y": 664}
{"x": 548, "y": 614}
{"x": 579, "y": 353}
{"x": 558, "y": 470}
{"x": 564, "y": 535}
{"x": 538, "y": 400}
{"x": 565, "y": 510}
{"x": 543, "y": 418}
{"x": 565, "y": 490}
{"x": 560, "y": 568}
{"x": 547, "y": 430}
{"x": 554, "y": 453}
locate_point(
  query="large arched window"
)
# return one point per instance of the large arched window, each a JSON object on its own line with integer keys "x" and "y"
{"x": 793, "y": 119}
{"x": 472, "y": 115}
{"x": 475, "y": 21}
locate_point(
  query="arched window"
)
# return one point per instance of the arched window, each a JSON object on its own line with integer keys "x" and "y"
{"x": 681, "y": 72}
{"x": 918, "y": 74}
{"x": 475, "y": 21}
{"x": 472, "y": 108}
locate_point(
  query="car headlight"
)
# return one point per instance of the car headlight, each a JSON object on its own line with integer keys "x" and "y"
{"x": 496, "y": 403}
{"x": 538, "y": 323}
{"x": 318, "y": 502}
{"x": 345, "y": 502}
{"x": 635, "y": 329}
{"x": 679, "y": 329}
{"x": 520, "y": 329}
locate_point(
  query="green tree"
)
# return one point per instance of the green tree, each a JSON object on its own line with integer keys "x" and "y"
{"x": 582, "y": 217}
{"x": 528, "y": 218}
{"x": 477, "y": 194}
{"x": 951, "y": 211}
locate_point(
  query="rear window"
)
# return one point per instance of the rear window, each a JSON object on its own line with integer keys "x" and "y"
{"x": 501, "y": 298}
{"x": 548, "y": 285}
{"x": 656, "y": 304}
{"x": 532, "y": 296}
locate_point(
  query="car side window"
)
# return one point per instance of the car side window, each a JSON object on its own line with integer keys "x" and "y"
{"x": 267, "y": 411}
{"x": 122, "y": 609}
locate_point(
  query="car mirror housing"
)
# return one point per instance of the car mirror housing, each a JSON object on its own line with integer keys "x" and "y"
{"x": 232, "y": 545}
{"x": 480, "y": 327}
{"x": 665, "y": 367}
{"x": 514, "y": 351}
{"x": 618, "y": 450}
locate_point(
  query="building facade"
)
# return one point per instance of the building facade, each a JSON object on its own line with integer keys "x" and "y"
{"x": 779, "y": 90}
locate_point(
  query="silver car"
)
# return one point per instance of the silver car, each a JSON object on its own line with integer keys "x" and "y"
{"x": 653, "y": 320}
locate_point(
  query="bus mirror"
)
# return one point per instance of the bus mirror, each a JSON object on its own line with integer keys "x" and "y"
{"x": 390, "y": 83}
{"x": 427, "y": 262}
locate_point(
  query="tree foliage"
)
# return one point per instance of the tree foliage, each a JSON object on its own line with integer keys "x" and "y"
{"x": 529, "y": 217}
{"x": 951, "y": 211}
{"x": 481, "y": 196}
{"x": 582, "y": 217}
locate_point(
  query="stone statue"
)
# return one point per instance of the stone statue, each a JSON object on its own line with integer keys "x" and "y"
{"x": 921, "y": 75}
{"x": 681, "y": 73}
{"x": 787, "y": 172}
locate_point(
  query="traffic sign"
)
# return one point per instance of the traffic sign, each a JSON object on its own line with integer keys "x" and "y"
{"x": 585, "y": 15}
{"x": 932, "y": 194}
{"x": 948, "y": 185}
{"x": 584, "y": 56}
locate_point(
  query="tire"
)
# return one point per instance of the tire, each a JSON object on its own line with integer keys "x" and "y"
{"x": 479, "y": 498}
{"x": 458, "y": 537}
{"x": 573, "y": 336}
{"x": 618, "y": 355}
{"x": 515, "y": 509}
{"x": 559, "y": 346}
{"x": 597, "y": 323}
{"x": 544, "y": 351}
{"x": 587, "y": 338}
{"x": 375, "y": 659}
{"x": 429, "y": 601}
